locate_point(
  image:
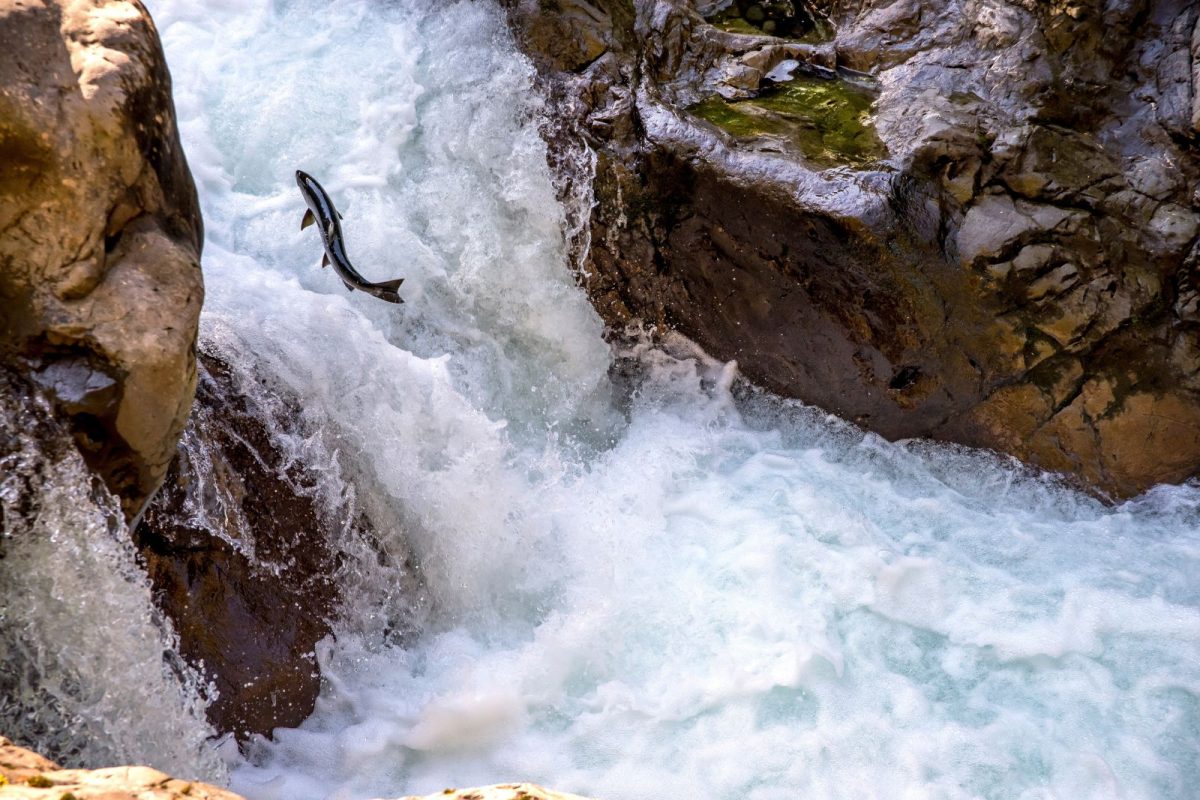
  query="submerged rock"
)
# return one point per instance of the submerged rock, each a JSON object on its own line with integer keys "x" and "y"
{"x": 100, "y": 232}
{"x": 1012, "y": 266}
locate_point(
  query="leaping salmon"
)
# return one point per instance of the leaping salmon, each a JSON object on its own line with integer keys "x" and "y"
{"x": 321, "y": 211}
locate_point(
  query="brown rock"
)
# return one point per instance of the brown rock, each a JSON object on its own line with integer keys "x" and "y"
{"x": 1034, "y": 215}
{"x": 1121, "y": 444}
{"x": 100, "y": 232}
{"x": 239, "y": 549}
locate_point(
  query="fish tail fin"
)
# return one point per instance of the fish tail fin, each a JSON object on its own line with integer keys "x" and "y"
{"x": 388, "y": 290}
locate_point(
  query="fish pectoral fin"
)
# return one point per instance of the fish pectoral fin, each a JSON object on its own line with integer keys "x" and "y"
{"x": 325, "y": 260}
{"x": 390, "y": 286}
{"x": 329, "y": 231}
{"x": 309, "y": 219}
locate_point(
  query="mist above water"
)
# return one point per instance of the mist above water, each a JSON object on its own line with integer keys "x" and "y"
{"x": 667, "y": 586}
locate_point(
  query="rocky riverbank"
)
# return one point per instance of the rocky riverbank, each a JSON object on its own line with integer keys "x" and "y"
{"x": 999, "y": 248}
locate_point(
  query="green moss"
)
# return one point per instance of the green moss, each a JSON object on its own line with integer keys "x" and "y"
{"x": 736, "y": 25}
{"x": 39, "y": 782}
{"x": 829, "y": 121}
{"x": 804, "y": 27}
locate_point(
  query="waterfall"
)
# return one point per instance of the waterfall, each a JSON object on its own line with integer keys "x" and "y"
{"x": 645, "y": 578}
{"x": 89, "y": 671}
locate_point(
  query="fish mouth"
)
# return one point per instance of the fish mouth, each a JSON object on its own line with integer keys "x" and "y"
{"x": 301, "y": 177}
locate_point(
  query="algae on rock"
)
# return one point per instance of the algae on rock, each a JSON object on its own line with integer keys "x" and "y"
{"x": 829, "y": 121}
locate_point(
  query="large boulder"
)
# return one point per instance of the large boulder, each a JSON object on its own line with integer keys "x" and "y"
{"x": 1001, "y": 250}
{"x": 100, "y": 232}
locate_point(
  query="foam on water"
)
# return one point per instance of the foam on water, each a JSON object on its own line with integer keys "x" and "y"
{"x": 704, "y": 592}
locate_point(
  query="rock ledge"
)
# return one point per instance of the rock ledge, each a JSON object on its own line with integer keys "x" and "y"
{"x": 25, "y": 775}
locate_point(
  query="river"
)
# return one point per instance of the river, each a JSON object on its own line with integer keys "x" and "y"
{"x": 642, "y": 582}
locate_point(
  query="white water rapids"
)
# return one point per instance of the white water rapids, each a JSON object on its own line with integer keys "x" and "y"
{"x": 689, "y": 596}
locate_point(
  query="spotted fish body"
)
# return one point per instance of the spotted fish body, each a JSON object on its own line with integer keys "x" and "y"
{"x": 322, "y": 213}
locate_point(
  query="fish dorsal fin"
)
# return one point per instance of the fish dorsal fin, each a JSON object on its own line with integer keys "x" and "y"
{"x": 339, "y": 214}
{"x": 390, "y": 286}
{"x": 309, "y": 219}
{"x": 325, "y": 260}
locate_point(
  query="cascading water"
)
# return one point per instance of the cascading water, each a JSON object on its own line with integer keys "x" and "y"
{"x": 76, "y": 618}
{"x": 692, "y": 590}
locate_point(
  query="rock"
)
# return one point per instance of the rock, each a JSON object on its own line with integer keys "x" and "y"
{"x": 100, "y": 232}
{"x": 503, "y": 791}
{"x": 563, "y": 34}
{"x": 240, "y": 546}
{"x": 1176, "y": 227}
{"x": 1033, "y": 207}
{"x": 25, "y": 775}
{"x": 31, "y": 442}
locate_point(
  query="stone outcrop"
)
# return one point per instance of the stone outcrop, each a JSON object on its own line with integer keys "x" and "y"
{"x": 100, "y": 232}
{"x": 25, "y": 775}
{"x": 240, "y": 547}
{"x": 1002, "y": 252}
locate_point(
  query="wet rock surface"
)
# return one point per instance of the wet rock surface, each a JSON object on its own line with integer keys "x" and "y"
{"x": 1018, "y": 272}
{"x": 240, "y": 546}
{"x": 100, "y": 233}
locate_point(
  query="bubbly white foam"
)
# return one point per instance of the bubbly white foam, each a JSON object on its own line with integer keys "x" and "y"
{"x": 711, "y": 596}
{"x": 87, "y": 666}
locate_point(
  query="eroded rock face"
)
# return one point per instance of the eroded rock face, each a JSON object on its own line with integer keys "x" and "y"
{"x": 1017, "y": 271}
{"x": 240, "y": 549}
{"x": 100, "y": 232}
